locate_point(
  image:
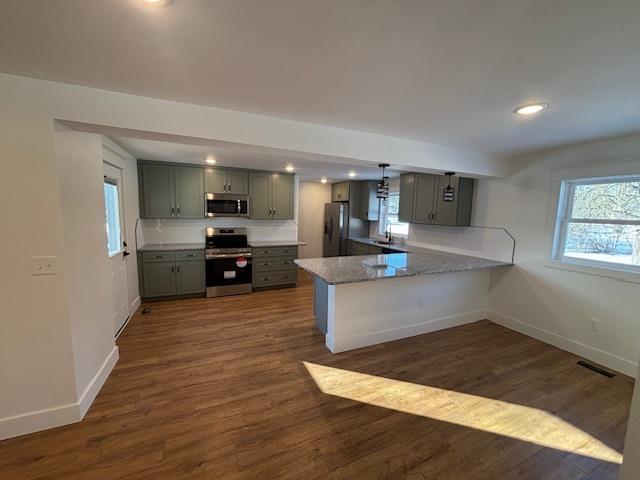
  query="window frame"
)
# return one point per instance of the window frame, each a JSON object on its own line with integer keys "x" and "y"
{"x": 383, "y": 217}
{"x": 564, "y": 219}
{"x": 114, "y": 182}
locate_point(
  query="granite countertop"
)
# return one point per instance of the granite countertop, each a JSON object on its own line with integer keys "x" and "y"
{"x": 159, "y": 247}
{"x": 276, "y": 243}
{"x": 364, "y": 268}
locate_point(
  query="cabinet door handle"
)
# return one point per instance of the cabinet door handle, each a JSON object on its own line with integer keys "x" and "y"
{"x": 225, "y": 187}
{"x": 173, "y": 211}
{"x": 178, "y": 211}
{"x": 173, "y": 269}
{"x": 274, "y": 212}
{"x": 158, "y": 256}
{"x": 190, "y": 255}
{"x": 178, "y": 268}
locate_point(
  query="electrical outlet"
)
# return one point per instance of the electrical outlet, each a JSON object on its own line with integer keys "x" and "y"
{"x": 593, "y": 324}
{"x": 422, "y": 304}
{"x": 44, "y": 265}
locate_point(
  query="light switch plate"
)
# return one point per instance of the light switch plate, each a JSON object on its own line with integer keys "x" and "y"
{"x": 44, "y": 265}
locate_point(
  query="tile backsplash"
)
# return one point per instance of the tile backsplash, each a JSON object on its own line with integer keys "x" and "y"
{"x": 187, "y": 231}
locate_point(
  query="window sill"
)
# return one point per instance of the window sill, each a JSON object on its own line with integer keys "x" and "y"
{"x": 620, "y": 275}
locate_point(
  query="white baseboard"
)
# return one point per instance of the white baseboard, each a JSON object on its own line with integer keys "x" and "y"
{"x": 337, "y": 345}
{"x": 58, "y": 416}
{"x": 134, "y": 306}
{"x": 609, "y": 360}
{"x": 90, "y": 393}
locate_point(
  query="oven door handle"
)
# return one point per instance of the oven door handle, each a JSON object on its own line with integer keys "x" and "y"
{"x": 228, "y": 255}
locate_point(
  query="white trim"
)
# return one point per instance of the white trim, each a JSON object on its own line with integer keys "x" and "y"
{"x": 39, "y": 420}
{"x": 612, "y": 273}
{"x": 90, "y": 393}
{"x": 607, "y": 359}
{"x": 134, "y": 306}
{"x": 58, "y": 416}
{"x": 381, "y": 336}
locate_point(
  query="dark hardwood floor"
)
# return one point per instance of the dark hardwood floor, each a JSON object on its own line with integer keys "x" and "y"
{"x": 226, "y": 388}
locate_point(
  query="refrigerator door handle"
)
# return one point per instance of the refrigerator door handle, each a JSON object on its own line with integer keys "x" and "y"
{"x": 331, "y": 229}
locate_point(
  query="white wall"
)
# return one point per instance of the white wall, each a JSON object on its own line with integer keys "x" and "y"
{"x": 549, "y": 303}
{"x": 36, "y": 356}
{"x": 80, "y": 173}
{"x": 313, "y": 196}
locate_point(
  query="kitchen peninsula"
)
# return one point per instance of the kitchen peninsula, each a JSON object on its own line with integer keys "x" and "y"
{"x": 368, "y": 299}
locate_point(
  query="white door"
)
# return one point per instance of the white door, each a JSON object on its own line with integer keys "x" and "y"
{"x": 113, "y": 201}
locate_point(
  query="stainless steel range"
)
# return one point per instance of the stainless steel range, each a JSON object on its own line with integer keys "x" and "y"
{"x": 228, "y": 258}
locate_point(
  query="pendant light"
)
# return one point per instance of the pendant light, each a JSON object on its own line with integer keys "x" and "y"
{"x": 383, "y": 185}
{"x": 449, "y": 193}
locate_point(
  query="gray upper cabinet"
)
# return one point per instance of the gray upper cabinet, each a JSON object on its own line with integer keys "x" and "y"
{"x": 238, "y": 182}
{"x": 369, "y": 205}
{"x": 282, "y": 196}
{"x": 405, "y": 208}
{"x": 271, "y": 196}
{"x": 189, "y": 188}
{"x": 223, "y": 180}
{"x": 215, "y": 180}
{"x": 158, "y": 191}
{"x": 260, "y": 195}
{"x": 340, "y": 192}
{"x": 422, "y": 199}
{"x": 169, "y": 191}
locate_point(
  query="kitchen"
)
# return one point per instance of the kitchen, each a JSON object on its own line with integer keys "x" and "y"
{"x": 319, "y": 240}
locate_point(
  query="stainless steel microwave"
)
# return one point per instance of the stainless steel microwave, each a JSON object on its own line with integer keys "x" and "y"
{"x": 225, "y": 205}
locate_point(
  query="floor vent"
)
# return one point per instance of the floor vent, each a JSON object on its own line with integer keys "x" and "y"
{"x": 599, "y": 370}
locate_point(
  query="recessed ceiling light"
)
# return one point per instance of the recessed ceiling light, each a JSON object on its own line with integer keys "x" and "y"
{"x": 289, "y": 168}
{"x": 323, "y": 180}
{"x": 157, "y": 3}
{"x": 210, "y": 159}
{"x": 352, "y": 174}
{"x": 531, "y": 109}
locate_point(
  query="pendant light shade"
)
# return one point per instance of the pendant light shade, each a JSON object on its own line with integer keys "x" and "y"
{"x": 449, "y": 193}
{"x": 383, "y": 185}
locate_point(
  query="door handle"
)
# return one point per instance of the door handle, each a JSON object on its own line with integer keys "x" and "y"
{"x": 125, "y": 254}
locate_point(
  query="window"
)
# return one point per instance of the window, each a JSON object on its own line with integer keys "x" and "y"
{"x": 389, "y": 216}
{"x": 112, "y": 206}
{"x": 599, "y": 223}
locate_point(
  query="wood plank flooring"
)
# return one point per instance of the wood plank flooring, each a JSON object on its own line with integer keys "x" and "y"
{"x": 217, "y": 388}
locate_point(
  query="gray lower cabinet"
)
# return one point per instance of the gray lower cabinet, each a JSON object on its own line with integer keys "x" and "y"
{"x": 169, "y": 273}
{"x": 170, "y": 191}
{"x": 159, "y": 279}
{"x": 274, "y": 267}
{"x": 225, "y": 180}
{"x": 271, "y": 196}
{"x": 422, "y": 200}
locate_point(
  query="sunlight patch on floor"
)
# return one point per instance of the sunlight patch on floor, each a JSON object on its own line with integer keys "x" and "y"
{"x": 494, "y": 416}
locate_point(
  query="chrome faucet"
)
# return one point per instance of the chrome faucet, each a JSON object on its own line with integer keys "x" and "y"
{"x": 387, "y": 232}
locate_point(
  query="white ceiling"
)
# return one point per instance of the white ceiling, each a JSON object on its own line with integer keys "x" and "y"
{"x": 447, "y": 72}
{"x": 309, "y": 169}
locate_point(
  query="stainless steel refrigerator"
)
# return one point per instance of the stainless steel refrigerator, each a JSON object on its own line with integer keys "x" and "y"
{"x": 339, "y": 225}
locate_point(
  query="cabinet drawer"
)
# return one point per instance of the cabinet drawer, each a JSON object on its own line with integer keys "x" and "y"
{"x": 275, "y": 252}
{"x": 158, "y": 256}
{"x": 273, "y": 263}
{"x": 190, "y": 255}
{"x": 270, "y": 279}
